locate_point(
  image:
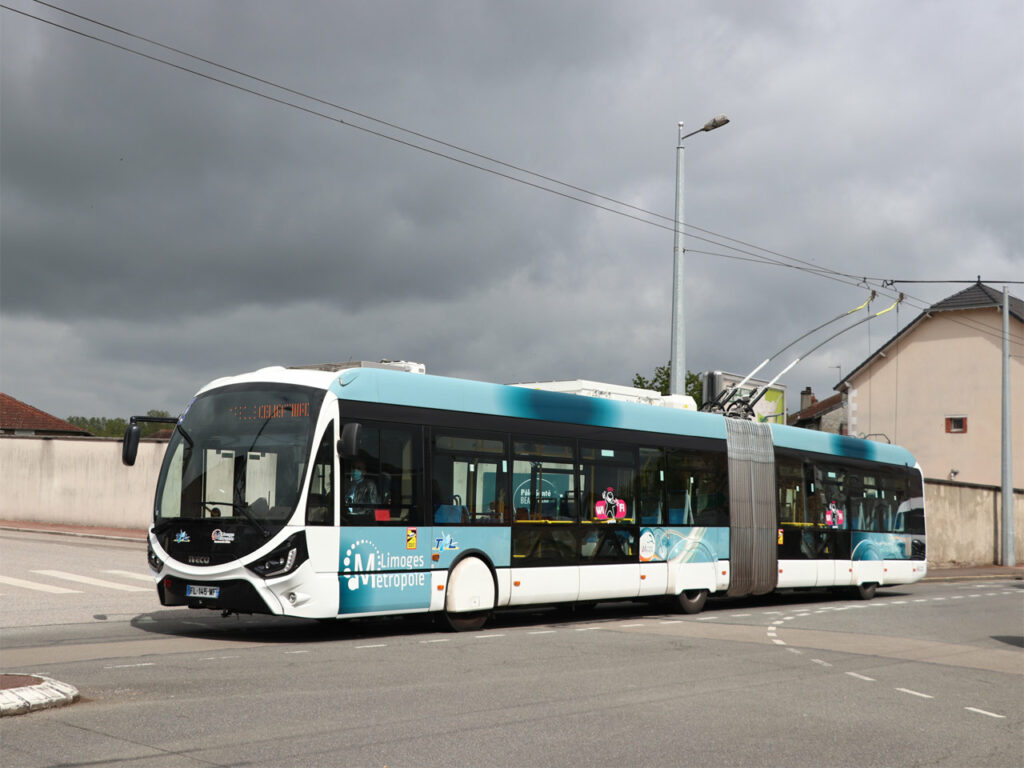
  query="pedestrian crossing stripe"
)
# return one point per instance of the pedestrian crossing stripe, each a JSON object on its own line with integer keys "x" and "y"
{"x": 37, "y": 586}
{"x": 94, "y": 582}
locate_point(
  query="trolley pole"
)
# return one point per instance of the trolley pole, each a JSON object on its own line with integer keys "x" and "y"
{"x": 1009, "y": 557}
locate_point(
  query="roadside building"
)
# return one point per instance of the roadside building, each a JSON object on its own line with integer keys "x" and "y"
{"x": 18, "y": 418}
{"x": 935, "y": 388}
{"x": 828, "y": 415}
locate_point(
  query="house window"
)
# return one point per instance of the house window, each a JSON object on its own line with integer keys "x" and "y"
{"x": 956, "y": 423}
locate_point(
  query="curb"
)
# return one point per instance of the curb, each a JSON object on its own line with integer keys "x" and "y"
{"x": 46, "y": 694}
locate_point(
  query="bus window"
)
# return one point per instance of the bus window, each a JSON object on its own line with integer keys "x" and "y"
{"x": 320, "y": 498}
{"x": 543, "y": 488}
{"x": 468, "y": 480}
{"x": 789, "y": 486}
{"x": 383, "y": 478}
{"x": 652, "y": 481}
{"x": 607, "y": 484}
{"x": 698, "y": 487}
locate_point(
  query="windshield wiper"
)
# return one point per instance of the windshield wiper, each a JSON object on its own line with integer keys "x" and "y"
{"x": 163, "y": 526}
{"x": 244, "y": 509}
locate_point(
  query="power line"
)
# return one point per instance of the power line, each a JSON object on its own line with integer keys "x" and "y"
{"x": 882, "y": 285}
{"x": 813, "y": 268}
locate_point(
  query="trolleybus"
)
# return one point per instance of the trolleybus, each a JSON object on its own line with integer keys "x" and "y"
{"x": 340, "y": 491}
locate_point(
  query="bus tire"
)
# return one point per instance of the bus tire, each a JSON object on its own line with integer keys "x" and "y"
{"x": 865, "y": 591}
{"x": 692, "y": 600}
{"x": 467, "y": 621}
{"x": 471, "y": 585}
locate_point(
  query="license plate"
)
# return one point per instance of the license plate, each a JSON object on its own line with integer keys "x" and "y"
{"x": 196, "y": 590}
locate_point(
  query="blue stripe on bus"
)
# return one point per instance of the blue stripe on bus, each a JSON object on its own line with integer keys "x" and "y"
{"x": 462, "y": 395}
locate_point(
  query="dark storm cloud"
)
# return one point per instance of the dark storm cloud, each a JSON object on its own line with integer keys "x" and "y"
{"x": 160, "y": 229}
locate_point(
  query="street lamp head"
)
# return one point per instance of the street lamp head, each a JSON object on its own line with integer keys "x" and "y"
{"x": 715, "y": 122}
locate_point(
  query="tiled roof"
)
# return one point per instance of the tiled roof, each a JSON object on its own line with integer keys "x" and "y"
{"x": 16, "y": 415}
{"x": 819, "y": 408}
{"x": 979, "y": 296}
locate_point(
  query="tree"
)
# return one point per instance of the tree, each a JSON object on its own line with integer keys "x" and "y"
{"x": 661, "y": 379}
{"x": 101, "y": 426}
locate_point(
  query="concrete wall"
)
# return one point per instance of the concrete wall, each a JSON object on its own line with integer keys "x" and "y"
{"x": 81, "y": 481}
{"x": 77, "y": 481}
{"x": 965, "y": 523}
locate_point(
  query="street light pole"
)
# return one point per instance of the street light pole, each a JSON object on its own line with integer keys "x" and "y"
{"x": 677, "y": 364}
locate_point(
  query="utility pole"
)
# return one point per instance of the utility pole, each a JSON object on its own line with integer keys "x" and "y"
{"x": 1009, "y": 557}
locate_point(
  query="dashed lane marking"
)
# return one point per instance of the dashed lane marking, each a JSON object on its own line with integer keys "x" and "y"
{"x": 985, "y": 712}
{"x": 859, "y": 676}
{"x": 915, "y": 693}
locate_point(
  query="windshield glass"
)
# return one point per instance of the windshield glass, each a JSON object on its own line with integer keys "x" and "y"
{"x": 240, "y": 452}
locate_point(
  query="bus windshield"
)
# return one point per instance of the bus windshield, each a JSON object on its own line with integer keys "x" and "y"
{"x": 239, "y": 452}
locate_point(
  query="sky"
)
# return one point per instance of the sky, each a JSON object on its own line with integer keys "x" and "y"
{"x": 161, "y": 226}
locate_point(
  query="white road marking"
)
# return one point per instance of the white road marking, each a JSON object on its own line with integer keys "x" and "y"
{"x": 131, "y": 575}
{"x": 861, "y": 677}
{"x": 778, "y": 642}
{"x": 704, "y": 618}
{"x": 38, "y": 587}
{"x": 94, "y": 582}
{"x": 478, "y": 637}
{"x": 983, "y": 712}
{"x": 821, "y": 662}
{"x": 542, "y": 632}
{"x": 438, "y": 640}
{"x": 375, "y": 645}
{"x": 129, "y": 666}
{"x": 915, "y": 693}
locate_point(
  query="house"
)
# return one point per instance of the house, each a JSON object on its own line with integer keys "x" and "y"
{"x": 936, "y": 388}
{"x": 828, "y": 415}
{"x": 18, "y": 418}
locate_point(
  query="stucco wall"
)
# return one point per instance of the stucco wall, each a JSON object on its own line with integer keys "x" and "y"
{"x": 948, "y": 365}
{"x": 77, "y": 481}
{"x": 81, "y": 481}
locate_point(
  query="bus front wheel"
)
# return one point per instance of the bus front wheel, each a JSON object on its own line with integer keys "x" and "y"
{"x": 692, "y": 600}
{"x": 466, "y": 621}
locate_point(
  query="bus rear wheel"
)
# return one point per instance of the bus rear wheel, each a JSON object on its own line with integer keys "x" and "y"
{"x": 466, "y": 621}
{"x": 865, "y": 591}
{"x": 692, "y": 600}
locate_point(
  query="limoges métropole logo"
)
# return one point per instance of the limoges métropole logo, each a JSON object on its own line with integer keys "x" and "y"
{"x": 363, "y": 563}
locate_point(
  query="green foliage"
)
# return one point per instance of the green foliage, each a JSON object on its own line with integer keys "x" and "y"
{"x": 661, "y": 379}
{"x": 104, "y": 427}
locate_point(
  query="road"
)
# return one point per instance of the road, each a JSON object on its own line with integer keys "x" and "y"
{"x": 931, "y": 674}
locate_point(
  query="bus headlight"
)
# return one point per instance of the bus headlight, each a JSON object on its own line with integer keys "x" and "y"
{"x": 283, "y": 560}
{"x": 154, "y": 562}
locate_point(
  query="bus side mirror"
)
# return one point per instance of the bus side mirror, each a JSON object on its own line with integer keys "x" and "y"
{"x": 130, "y": 444}
{"x": 348, "y": 446}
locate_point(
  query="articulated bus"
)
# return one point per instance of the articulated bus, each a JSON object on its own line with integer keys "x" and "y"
{"x": 339, "y": 491}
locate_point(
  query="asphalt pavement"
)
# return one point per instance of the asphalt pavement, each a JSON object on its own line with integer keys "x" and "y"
{"x": 21, "y": 693}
